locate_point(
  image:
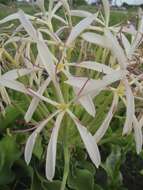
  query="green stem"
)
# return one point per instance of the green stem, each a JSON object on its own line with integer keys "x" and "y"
{"x": 66, "y": 158}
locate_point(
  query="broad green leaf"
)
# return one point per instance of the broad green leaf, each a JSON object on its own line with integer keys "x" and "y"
{"x": 81, "y": 179}
{"x": 9, "y": 154}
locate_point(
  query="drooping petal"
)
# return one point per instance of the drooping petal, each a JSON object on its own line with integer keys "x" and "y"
{"x": 93, "y": 66}
{"x": 80, "y": 13}
{"x": 116, "y": 49}
{"x": 96, "y": 39}
{"x": 103, "y": 128}
{"x": 32, "y": 138}
{"x": 52, "y": 148}
{"x": 88, "y": 140}
{"x": 46, "y": 57}
{"x": 14, "y": 85}
{"x": 95, "y": 85}
{"x": 43, "y": 50}
{"x": 138, "y": 135}
{"x": 106, "y": 11}
{"x": 125, "y": 43}
{"x": 27, "y": 25}
{"x": 87, "y": 103}
{"x": 79, "y": 28}
{"x": 130, "y": 104}
{"x": 17, "y": 73}
{"x": 35, "y": 101}
{"x": 48, "y": 100}
{"x": 141, "y": 122}
{"x": 40, "y": 4}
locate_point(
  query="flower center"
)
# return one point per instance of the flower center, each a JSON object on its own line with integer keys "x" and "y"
{"x": 63, "y": 106}
{"x": 60, "y": 66}
{"x": 121, "y": 90}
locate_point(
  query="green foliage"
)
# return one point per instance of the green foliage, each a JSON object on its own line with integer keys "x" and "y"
{"x": 9, "y": 153}
{"x": 6, "y": 2}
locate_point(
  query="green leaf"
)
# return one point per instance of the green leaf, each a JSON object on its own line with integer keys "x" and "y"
{"x": 82, "y": 179}
{"x": 12, "y": 113}
{"x": 9, "y": 153}
{"x": 55, "y": 185}
{"x": 36, "y": 183}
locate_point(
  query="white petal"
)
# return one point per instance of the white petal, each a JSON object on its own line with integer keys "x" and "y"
{"x": 66, "y": 6}
{"x": 106, "y": 6}
{"x": 9, "y": 18}
{"x": 91, "y": 85}
{"x": 141, "y": 122}
{"x": 138, "y": 135}
{"x": 126, "y": 43}
{"x": 35, "y": 101}
{"x": 79, "y": 28}
{"x": 96, "y": 39}
{"x": 17, "y": 73}
{"x": 14, "y": 85}
{"x": 57, "y": 6}
{"x": 88, "y": 140}
{"x": 40, "y": 3}
{"x": 130, "y": 109}
{"x": 27, "y": 25}
{"x": 80, "y": 13}
{"x": 43, "y": 50}
{"x": 93, "y": 66}
{"x": 116, "y": 49}
{"x": 52, "y": 148}
{"x": 32, "y": 138}
{"x": 87, "y": 103}
{"x": 48, "y": 100}
{"x": 46, "y": 57}
{"x": 103, "y": 128}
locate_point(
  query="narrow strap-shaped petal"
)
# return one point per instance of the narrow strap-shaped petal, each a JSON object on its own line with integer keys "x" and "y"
{"x": 141, "y": 122}
{"x": 95, "y": 85}
{"x": 88, "y": 140}
{"x": 27, "y": 25}
{"x": 35, "y": 101}
{"x": 32, "y": 138}
{"x": 80, "y": 13}
{"x": 79, "y": 28}
{"x": 126, "y": 44}
{"x": 87, "y": 103}
{"x": 103, "y": 128}
{"x": 138, "y": 135}
{"x": 106, "y": 11}
{"x": 52, "y": 148}
{"x": 43, "y": 50}
{"x": 52, "y": 102}
{"x": 130, "y": 104}
{"x": 17, "y": 73}
{"x": 46, "y": 57}
{"x": 97, "y": 39}
{"x": 116, "y": 49}
{"x": 14, "y": 85}
{"x": 93, "y": 66}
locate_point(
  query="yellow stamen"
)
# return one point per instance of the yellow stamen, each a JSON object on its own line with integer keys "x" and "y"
{"x": 60, "y": 66}
{"x": 63, "y": 106}
{"x": 121, "y": 90}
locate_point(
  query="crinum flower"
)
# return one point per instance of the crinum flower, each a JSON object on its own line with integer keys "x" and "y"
{"x": 94, "y": 29}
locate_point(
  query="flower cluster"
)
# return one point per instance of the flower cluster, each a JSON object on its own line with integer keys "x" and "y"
{"x": 47, "y": 41}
